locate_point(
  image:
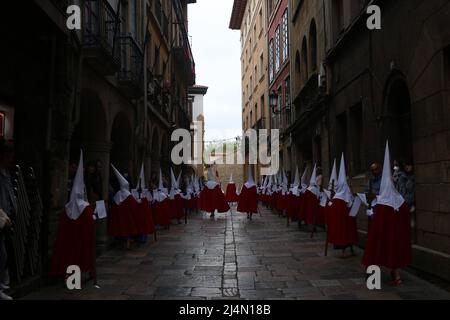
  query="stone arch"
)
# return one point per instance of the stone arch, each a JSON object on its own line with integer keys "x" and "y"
{"x": 397, "y": 124}
{"x": 304, "y": 61}
{"x": 313, "y": 46}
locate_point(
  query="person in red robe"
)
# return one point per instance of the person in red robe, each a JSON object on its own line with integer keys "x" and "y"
{"x": 75, "y": 239}
{"x": 189, "y": 195}
{"x": 293, "y": 197}
{"x": 389, "y": 235}
{"x": 175, "y": 199}
{"x": 143, "y": 214}
{"x": 123, "y": 220}
{"x": 300, "y": 211}
{"x": 161, "y": 206}
{"x": 231, "y": 194}
{"x": 212, "y": 197}
{"x": 342, "y": 231}
{"x": 311, "y": 198}
{"x": 248, "y": 198}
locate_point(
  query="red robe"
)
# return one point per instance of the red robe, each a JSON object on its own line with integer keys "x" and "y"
{"x": 191, "y": 203}
{"x": 311, "y": 207}
{"x": 389, "y": 238}
{"x": 248, "y": 200}
{"x": 144, "y": 216}
{"x": 342, "y": 229}
{"x": 212, "y": 200}
{"x": 230, "y": 194}
{"x": 161, "y": 212}
{"x": 300, "y": 211}
{"x": 292, "y": 205}
{"x": 176, "y": 207}
{"x": 124, "y": 219}
{"x": 75, "y": 243}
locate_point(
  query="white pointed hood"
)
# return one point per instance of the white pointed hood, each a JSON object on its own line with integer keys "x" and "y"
{"x": 342, "y": 189}
{"x": 303, "y": 179}
{"x": 313, "y": 182}
{"x": 389, "y": 196}
{"x": 250, "y": 182}
{"x": 77, "y": 202}
{"x": 285, "y": 182}
{"x": 179, "y": 180}
{"x": 124, "y": 191}
{"x": 196, "y": 184}
{"x": 297, "y": 178}
{"x": 333, "y": 178}
{"x": 160, "y": 194}
{"x": 141, "y": 186}
{"x": 174, "y": 188}
{"x": 211, "y": 183}
{"x": 231, "y": 179}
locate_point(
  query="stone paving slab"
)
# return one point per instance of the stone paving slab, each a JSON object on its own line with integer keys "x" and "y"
{"x": 232, "y": 258}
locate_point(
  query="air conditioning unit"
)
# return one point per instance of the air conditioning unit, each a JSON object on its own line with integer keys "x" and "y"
{"x": 322, "y": 77}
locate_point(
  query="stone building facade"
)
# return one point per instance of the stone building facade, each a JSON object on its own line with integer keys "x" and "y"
{"x": 354, "y": 88}
{"x": 115, "y": 89}
{"x": 250, "y": 17}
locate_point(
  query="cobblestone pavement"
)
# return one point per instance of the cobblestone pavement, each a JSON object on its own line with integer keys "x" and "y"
{"x": 230, "y": 257}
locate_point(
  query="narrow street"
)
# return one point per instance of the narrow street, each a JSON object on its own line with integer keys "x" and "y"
{"x": 233, "y": 258}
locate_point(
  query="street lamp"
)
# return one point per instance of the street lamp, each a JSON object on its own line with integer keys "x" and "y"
{"x": 273, "y": 101}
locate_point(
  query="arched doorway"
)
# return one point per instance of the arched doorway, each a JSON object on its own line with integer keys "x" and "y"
{"x": 397, "y": 126}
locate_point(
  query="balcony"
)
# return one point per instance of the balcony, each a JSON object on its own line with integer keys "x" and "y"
{"x": 100, "y": 24}
{"x": 182, "y": 49}
{"x": 130, "y": 76}
{"x": 158, "y": 97}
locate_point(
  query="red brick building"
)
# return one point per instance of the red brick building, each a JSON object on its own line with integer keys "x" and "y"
{"x": 279, "y": 72}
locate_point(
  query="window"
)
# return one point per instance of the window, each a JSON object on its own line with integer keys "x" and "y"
{"x": 251, "y": 85}
{"x": 313, "y": 46}
{"x": 287, "y": 100}
{"x": 256, "y": 75}
{"x": 279, "y": 106}
{"x": 263, "y": 107}
{"x": 277, "y": 49}
{"x": 271, "y": 61}
{"x": 260, "y": 21}
{"x": 261, "y": 65}
{"x": 285, "y": 35}
{"x": 251, "y": 119}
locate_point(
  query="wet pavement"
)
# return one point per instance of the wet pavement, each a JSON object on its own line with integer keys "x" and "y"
{"x": 230, "y": 257}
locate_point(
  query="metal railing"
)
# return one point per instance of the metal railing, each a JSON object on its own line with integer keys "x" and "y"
{"x": 158, "y": 11}
{"x": 100, "y": 25}
{"x": 131, "y": 59}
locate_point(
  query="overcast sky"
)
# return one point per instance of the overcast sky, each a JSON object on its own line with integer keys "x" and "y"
{"x": 216, "y": 51}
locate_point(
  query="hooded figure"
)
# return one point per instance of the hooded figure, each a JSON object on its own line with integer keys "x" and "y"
{"x": 312, "y": 202}
{"x": 212, "y": 197}
{"x": 124, "y": 220}
{"x": 175, "y": 199}
{"x": 389, "y": 236}
{"x": 230, "y": 194}
{"x": 248, "y": 198}
{"x": 293, "y": 198}
{"x": 75, "y": 240}
{"x": 190, "y": 197}
{"x": 142, "y": 196}
{"x": 161, "y": 208}
{"x": 342, "y": 231}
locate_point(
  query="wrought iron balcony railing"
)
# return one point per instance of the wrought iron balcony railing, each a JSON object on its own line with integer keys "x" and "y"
{"x": 100, "y": 26}
{"x": 158, "y": 11}
{"x": 130, "y": 75}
